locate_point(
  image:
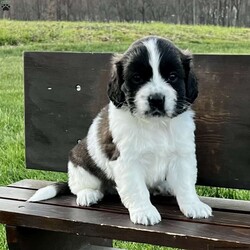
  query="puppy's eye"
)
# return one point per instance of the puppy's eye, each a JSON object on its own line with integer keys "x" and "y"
{"x": 172, "y": 77}
{"x": 136, "y": 79}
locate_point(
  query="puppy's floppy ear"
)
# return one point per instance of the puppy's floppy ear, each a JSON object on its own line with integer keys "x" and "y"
{"x": 190, "y": 78}
{"x": 115, "y": 92}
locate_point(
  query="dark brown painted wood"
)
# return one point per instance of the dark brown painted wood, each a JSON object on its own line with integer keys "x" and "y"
{"x": 227, "y": 204}
{"x": 31, "y": 184}
{"x": 57, "y": 115}
{"x": 12, "y": 238}
{"x": 109, "y": 219}
{"x": 167, "y": 208}
{"x": 223, "y": 120}
{"x": 217, "y": 203}
{"x": 118, "y": 226}
{"x": 21, "y": 238}
{"x": 64, "y": 92}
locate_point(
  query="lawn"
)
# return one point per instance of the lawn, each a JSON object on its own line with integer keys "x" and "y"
{"x": 16, "y": 37}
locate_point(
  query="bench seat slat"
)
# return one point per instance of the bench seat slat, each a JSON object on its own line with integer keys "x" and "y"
{"x": 216, "y": 203}
{"x": 168, "y": 211}
{"x": 228, "y": 204}
{"x": 31, "y": 184}
{"x": 118, "y": 226}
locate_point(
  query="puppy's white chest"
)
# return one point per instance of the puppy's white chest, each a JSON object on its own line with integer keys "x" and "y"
{"x": 153, "y": 145}
{"x": 158, "y": 153}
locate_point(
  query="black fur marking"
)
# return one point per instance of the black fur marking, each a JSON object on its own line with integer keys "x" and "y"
{"x": 175, "y": 61}
{"x": 190, "y": 79}
{"x": 115, "y": 93}
{"x": 171, "y": 64}
{"x": 62, "y": 188}
{"x": 137, "y": 72}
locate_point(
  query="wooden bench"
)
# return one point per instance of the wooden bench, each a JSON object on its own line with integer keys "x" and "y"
{"x": 63, "y": 93}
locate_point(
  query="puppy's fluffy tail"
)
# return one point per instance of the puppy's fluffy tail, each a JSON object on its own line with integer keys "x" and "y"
{"x": 50, "y": 191}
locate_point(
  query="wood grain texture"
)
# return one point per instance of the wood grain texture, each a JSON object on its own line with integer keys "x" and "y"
{"x": 167, "y": 207}
{"x": 216, "y": 203}
{"x": 60, "y": 218}
{"x": 57, "y": 115}
{"x": 63, "y": 93}
{"x": 223, "y": 120}
{"x": 117, "y": 226}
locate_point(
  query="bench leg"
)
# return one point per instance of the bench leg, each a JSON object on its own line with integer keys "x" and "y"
{"x": 21, "y": 238}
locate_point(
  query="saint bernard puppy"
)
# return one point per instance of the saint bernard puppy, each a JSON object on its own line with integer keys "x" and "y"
{"x": 143, "y": 140}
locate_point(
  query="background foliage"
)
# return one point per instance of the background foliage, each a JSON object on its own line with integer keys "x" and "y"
{"x": 16, "y": 37}
{"x": 211, "y": 12}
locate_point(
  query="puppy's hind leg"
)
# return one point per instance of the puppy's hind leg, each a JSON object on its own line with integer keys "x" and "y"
{"x": 84, "y": 185}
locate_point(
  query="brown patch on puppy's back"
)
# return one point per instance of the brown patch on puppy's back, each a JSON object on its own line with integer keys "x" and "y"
{"x": 79, "y": 156}
{"x": 106, "y": 140}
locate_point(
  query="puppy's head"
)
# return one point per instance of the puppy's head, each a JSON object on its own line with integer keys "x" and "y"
{"x": 153, "y": 78}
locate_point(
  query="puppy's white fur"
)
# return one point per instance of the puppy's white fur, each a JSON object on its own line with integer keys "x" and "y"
{"x": 43, "y": 194}
{"x": 166, "y": 159}
{"x": 84, "y": 185}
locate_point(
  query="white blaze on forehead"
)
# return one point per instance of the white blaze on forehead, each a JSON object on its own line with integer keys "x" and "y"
{"x": 154, "y": 57}
{"x": 156, "y": 85}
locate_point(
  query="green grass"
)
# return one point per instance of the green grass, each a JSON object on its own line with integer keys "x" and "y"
{"x": 16, "y": 37}
{"x": 84, "y": 36}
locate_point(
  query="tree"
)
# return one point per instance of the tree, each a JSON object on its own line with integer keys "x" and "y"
{"x": 215, "y": 12}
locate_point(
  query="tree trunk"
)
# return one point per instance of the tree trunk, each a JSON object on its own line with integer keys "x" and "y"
{"x": 194, "y": 12}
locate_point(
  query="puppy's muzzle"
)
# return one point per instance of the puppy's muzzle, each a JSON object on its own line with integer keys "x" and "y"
{"x": 157, "y": 104}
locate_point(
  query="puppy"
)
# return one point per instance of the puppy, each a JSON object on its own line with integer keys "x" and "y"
{"x": 143, "y": 139}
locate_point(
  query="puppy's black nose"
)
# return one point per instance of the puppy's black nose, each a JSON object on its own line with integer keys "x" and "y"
{"x": 156, "y": 101}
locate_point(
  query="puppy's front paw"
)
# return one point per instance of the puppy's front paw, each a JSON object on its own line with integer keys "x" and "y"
{"x": 196, "y": 210}
{"x": 88, "y": 197}
{"x": 145, "y": 216}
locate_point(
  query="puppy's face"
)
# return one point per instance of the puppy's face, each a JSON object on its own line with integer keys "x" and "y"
{"x": 153, "y": 78}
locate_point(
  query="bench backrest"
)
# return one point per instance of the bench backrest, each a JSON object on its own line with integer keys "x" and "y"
{"x": 65, "y": 91}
